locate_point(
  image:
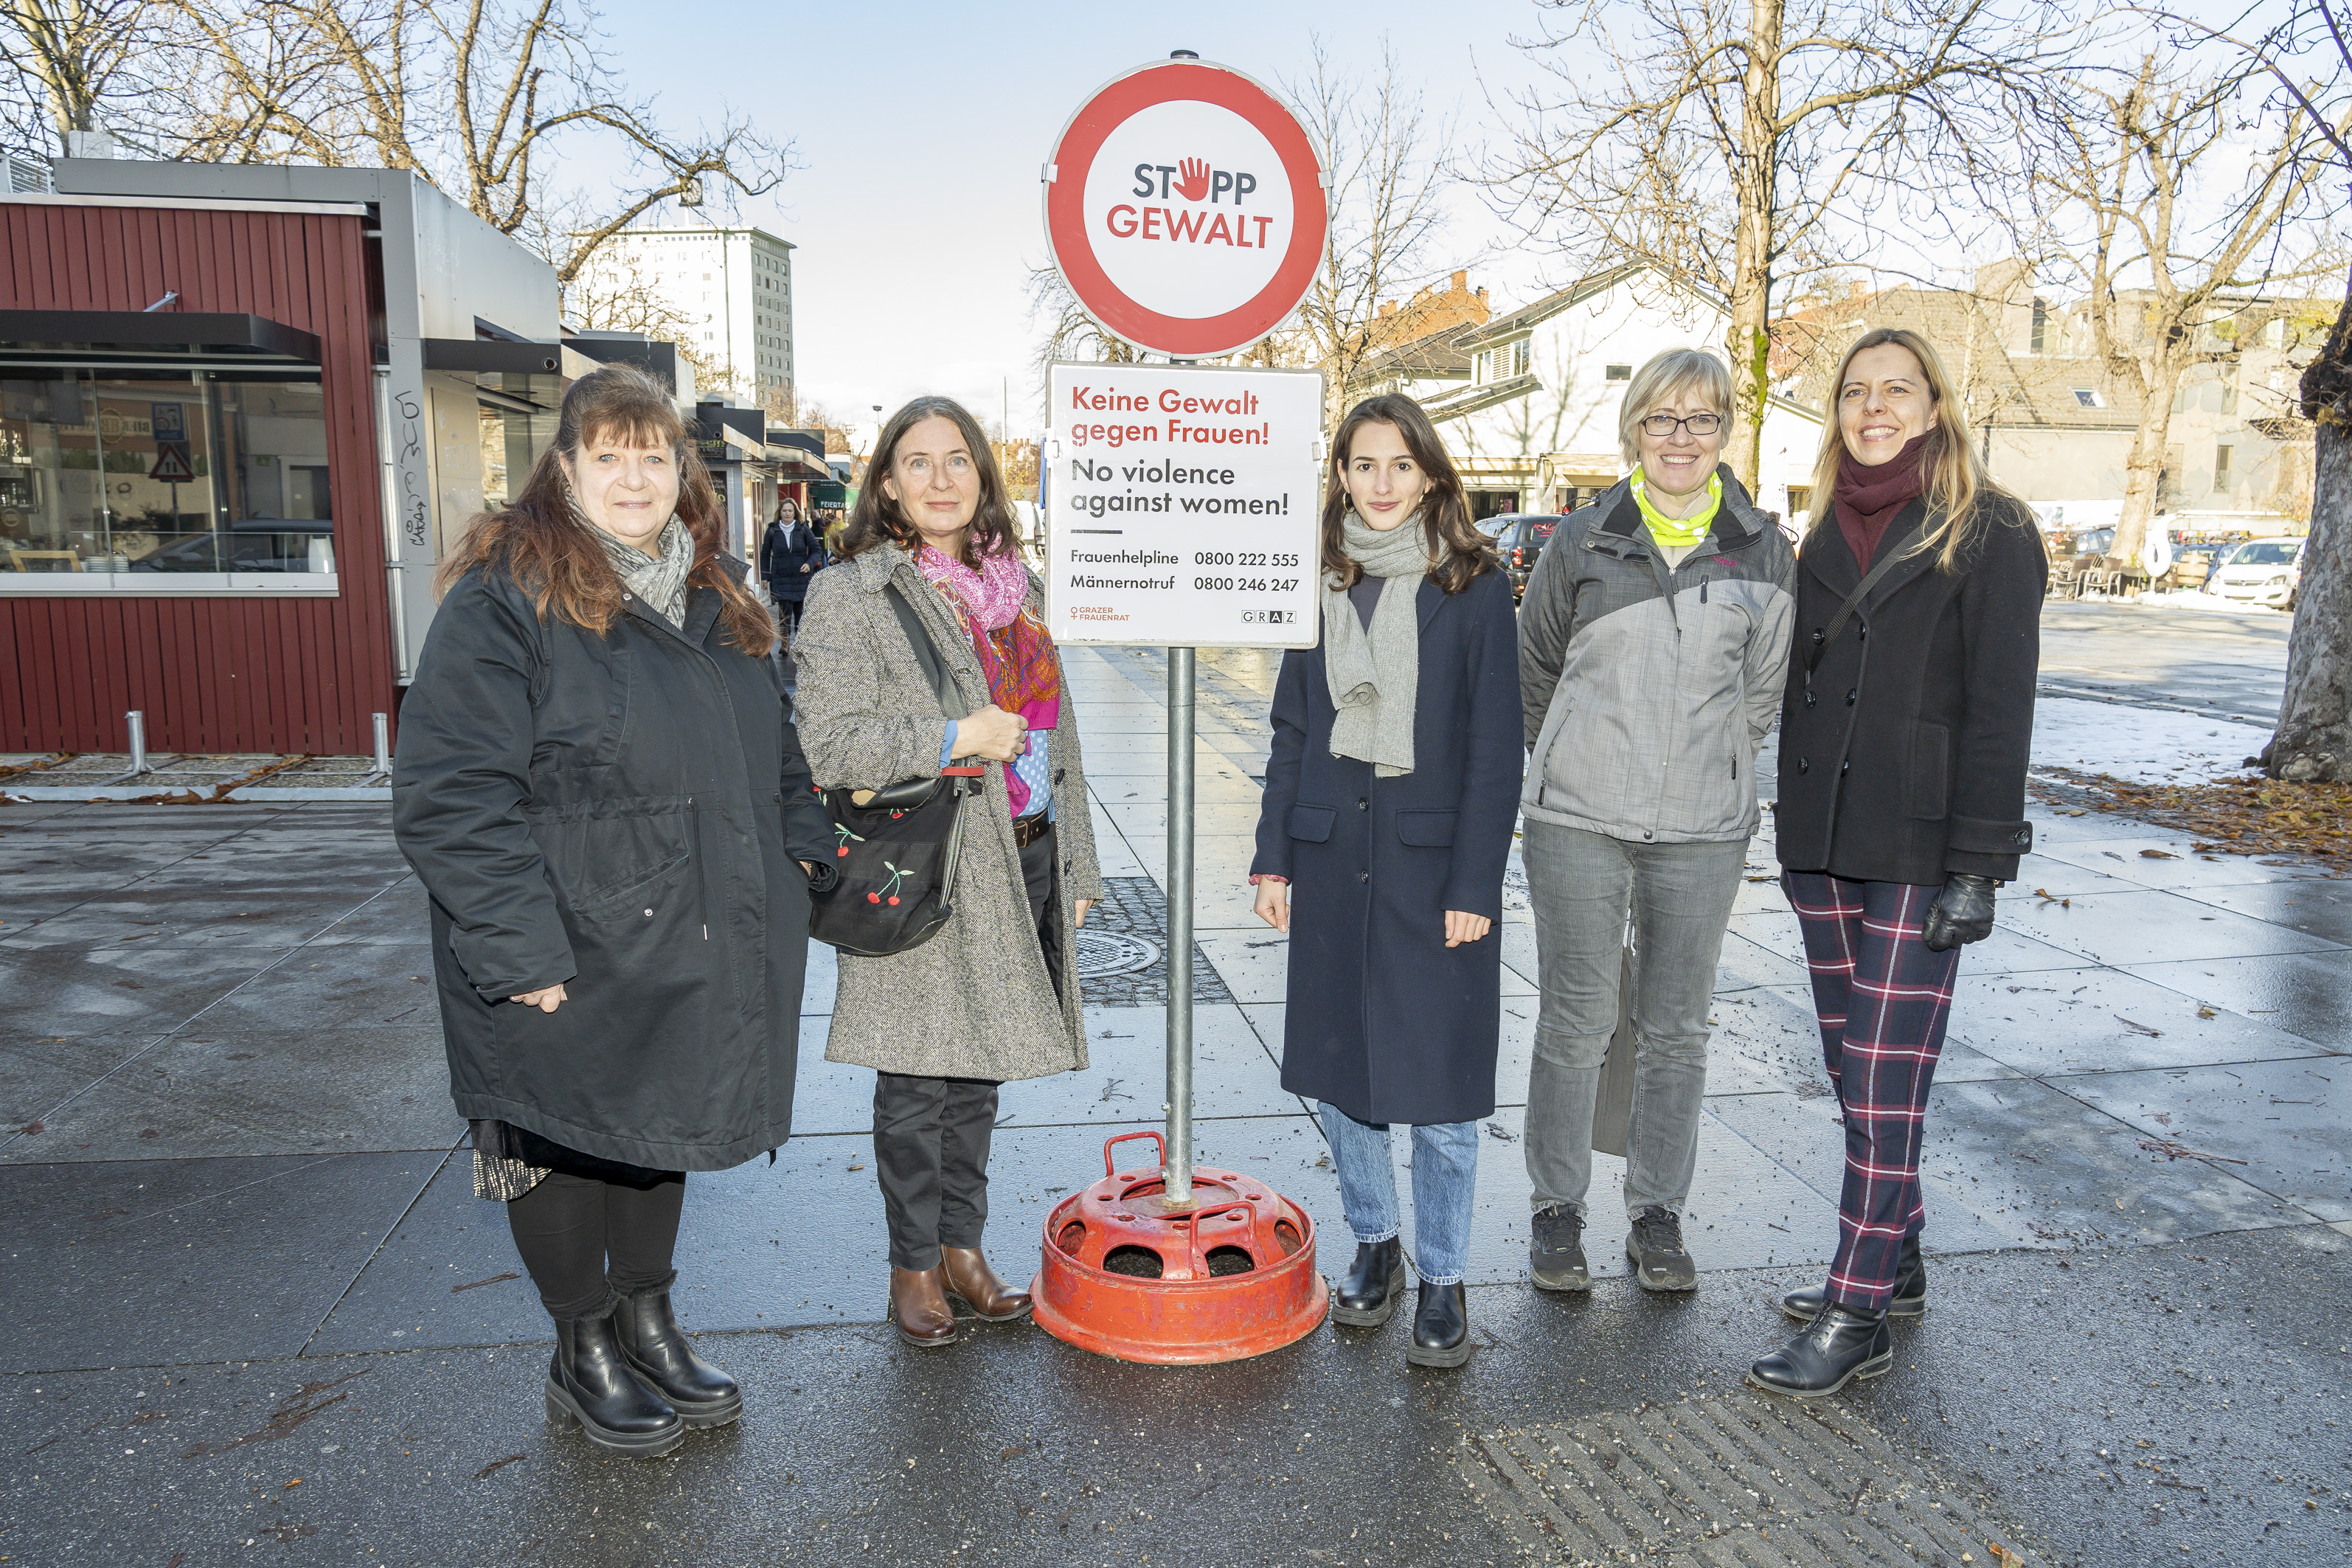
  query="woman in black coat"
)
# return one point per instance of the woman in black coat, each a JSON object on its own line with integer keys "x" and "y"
{"x": 1903, "y": 737}
{"x": 790, "y": 554}
{"x": 599, "y": 786}
{"x": 1389, "y": 801}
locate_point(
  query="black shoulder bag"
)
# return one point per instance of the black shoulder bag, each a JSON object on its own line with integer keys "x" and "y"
{"x": 897, "y": 848}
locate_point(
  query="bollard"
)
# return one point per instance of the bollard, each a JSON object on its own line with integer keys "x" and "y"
{"x": 383, "y": 744}
{"x": 137, "y": 722}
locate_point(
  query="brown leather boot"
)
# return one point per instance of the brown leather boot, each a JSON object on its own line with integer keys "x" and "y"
{"x": 918, "y": 1306}
{"x": 969, "y": 1276}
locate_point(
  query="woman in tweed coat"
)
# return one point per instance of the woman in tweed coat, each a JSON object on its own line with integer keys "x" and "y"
{"x": 994, "y": 995}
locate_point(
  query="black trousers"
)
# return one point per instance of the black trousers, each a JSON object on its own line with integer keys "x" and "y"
{"x": 931, "y": 1134}
{"x": 585, "y": 1240}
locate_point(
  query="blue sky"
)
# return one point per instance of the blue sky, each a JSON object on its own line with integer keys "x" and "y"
{"x": 922, "y": 128}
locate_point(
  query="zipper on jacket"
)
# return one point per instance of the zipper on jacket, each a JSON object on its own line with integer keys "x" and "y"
{"x": 1702, "y": 590}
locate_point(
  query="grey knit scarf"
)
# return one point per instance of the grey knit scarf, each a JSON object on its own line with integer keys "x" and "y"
{"x": 659, "y": 580}
{"x": 1375, "y": 673}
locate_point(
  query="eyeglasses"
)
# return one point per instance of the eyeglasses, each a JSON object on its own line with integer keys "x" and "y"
{"x": 1662, "y": 426}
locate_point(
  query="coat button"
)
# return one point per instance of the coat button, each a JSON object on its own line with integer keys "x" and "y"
{"x": 1808, "y": 700}
{"x": 1845, "y": 768}
{"x": 1851, "y": 695}
{"x": 1862, "y": 636}
{"x": 1363, "y": 875}
{"x": 1817, "y": 634}
{"x": 1363, "y": 806}
{"x": 649, "y": 914}
{"x": 1646, "y": 833}
{"x": 1804, "y": 766}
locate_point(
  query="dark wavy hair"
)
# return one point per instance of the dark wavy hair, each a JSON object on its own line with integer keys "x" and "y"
{"x": 878, "y": 520}
{"x": 540, "y": 542}
{"x": 1458, "y": 553}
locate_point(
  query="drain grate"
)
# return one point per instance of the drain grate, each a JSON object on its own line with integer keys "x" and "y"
{"x": 1102, "y": 953}
{"x": 1735, "y": 1478}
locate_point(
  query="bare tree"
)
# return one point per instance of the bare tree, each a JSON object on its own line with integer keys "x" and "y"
{"x": 1388, "y": 169}
{"x": 1070, "y": 334}
{"x": 1737, "y": 145}
{"x": 476, "y": 95}
{"x": 2162, "y": 268}
{"x": 65, "y": 58}
{"x": 2308, "y": 58}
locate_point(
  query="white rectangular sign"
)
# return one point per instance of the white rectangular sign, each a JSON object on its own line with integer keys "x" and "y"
{"x": 1182, "y": 504}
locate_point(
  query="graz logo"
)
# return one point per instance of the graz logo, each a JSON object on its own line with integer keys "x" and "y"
{"x": 1194, "y": 181}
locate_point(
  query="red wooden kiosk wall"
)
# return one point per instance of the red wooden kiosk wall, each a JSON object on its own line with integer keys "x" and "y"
{"x": 211, "y": 674}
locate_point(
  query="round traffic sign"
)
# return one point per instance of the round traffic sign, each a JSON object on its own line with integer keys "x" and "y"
{"x": 1185, "y": 208}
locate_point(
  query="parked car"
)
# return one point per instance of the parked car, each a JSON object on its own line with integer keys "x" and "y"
{"x": 2261, "y": 572}
{"x": 1520, "y": 537}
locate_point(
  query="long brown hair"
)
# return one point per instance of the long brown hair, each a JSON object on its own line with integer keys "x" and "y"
{"x": 878, "y": 520}
{"x": 1957, "y": 478}
{"x": 1458, "y": 553}
{"x": 545, "y": 547}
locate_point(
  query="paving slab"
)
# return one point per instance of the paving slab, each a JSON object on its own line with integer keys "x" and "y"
{"x": 2006, "y": 951}
{"x": 41, "y": 1072}
{"x": 370, "y": 985}
{"x": 2151, "y": 927}
{"x": 203, "y": 1092}
{"x": 2277, "y": 1125}
{"x": 2167, "y": 863}
{"x": 2315, "y": 905}
{"x": 76, "y": 991}
{"x": 2104, "y": 1020}
{"x": 241, "y": 915}
{"x": 158, "y": 1262}
{"x": 2305, "y": 993}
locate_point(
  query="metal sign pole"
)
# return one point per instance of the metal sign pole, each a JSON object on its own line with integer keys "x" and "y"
{"x": 1179, "y": 926}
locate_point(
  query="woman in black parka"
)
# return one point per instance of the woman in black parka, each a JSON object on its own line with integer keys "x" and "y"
{"x": 1391, "y": 796}
{"x": 599, "y": 785}
{"x": 1903, "y": 737}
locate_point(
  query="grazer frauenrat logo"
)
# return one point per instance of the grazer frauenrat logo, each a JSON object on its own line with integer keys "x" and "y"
{"x": 1194, "y": 181}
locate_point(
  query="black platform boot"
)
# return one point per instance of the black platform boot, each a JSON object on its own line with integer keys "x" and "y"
{"x": 1366, "y": 1298}
{"x": 1909, "y": 1301}
{"x": 1441, "y": 1327}
{"x": 590, "y": 1385}
{"x": 658, "y": 1353}
{"x": 1841, "y": 1345}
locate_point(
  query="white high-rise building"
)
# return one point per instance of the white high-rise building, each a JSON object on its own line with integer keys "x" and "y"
{"x": 732, "y": 288}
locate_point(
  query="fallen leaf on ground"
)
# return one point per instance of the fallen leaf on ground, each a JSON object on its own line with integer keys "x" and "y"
{"x": 2173, "y": 1148}
{"x": 2252, "y": 816}
{"x": 2141, "y": 1029}
{"x": 2157, "y": 855}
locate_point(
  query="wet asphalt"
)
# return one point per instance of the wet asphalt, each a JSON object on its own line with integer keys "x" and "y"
{"x": 259, "y": 1317}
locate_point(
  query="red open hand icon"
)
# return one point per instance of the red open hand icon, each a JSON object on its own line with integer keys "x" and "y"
{"x": 1195, "y": 183}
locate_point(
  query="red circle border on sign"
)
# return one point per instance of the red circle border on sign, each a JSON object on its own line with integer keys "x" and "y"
{"x": 1187, "y": 337}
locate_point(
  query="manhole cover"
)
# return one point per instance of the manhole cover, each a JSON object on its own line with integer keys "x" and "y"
{"x": 1102, "y": 953}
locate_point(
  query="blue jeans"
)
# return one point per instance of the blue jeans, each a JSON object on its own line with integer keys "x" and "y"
{"x": 1444, "y": 1180}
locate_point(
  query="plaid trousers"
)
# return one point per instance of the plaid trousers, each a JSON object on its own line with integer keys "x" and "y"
{"x": 1883, "y": 999}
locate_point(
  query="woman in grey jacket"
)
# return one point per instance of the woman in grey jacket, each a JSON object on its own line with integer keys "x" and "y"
{"x": 1653, "y": 638}
{"x": 993, "y": 995}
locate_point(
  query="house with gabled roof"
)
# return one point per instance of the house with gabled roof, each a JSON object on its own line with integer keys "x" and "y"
{"x": 1528, "y": 403}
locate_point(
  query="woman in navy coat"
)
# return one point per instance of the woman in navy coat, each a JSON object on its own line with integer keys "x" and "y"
{"x": 1389, "y": 801}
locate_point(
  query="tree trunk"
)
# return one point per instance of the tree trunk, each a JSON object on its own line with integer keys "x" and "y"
{"x": 1748, "y": 339}
{"x": 2144, "y": 469}
{"x": 2314, "y": 734}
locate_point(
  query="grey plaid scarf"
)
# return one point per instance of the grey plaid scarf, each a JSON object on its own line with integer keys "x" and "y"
{"x": 659, "y": 579}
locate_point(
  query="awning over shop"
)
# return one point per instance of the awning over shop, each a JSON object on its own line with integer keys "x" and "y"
{"x": 150, "y": 334}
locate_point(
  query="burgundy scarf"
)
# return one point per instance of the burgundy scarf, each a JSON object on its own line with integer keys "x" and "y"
{"x": 1868, "y": 499}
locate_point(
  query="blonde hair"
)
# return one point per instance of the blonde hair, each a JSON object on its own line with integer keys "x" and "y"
{"x": 1957, "y": 478}
{"x": 1663, "y": 380}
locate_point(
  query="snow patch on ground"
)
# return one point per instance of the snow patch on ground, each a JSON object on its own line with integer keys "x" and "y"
{"x": 2144, "y": 746}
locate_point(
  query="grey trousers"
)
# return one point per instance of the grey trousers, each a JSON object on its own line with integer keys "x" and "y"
{"x": 1582, "y": 885}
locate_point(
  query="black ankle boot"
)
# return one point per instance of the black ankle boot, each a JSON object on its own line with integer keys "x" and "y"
{"x": 1841, "y": 1345}
{"x": 1909, "y": 1301}
{"x": 657, "y": 1352}
{"x": 1368, "y": 1295}
{"x": 589, "y": 1384}
{"x": 1441, "y": 1327}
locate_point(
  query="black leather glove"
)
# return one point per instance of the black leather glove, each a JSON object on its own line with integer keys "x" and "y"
{"x": 1962, "y": 912}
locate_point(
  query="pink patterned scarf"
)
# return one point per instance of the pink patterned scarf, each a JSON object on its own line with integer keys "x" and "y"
{"x": 1016, "y": 652}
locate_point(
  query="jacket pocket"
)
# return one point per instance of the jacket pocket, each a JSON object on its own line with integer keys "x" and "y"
{"x": 1312, "y": 823}
{"x": 1426, "y": 827}
{"x": 605, "y": 850}
{"x": 1930, "y": 772}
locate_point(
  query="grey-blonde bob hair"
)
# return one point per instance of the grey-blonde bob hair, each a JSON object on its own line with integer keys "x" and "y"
{"x": 1666, "y": 379}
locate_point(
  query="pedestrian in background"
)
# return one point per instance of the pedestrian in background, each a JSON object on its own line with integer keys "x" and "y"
{"x": 790, "y": 553}
{"x": 1389, "y": 807}
{"x": 600, "y": 786}
{"x": 1653, "y": 637}
{"x": 1903, "y": 737}
{"x": 993, "y": 995}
